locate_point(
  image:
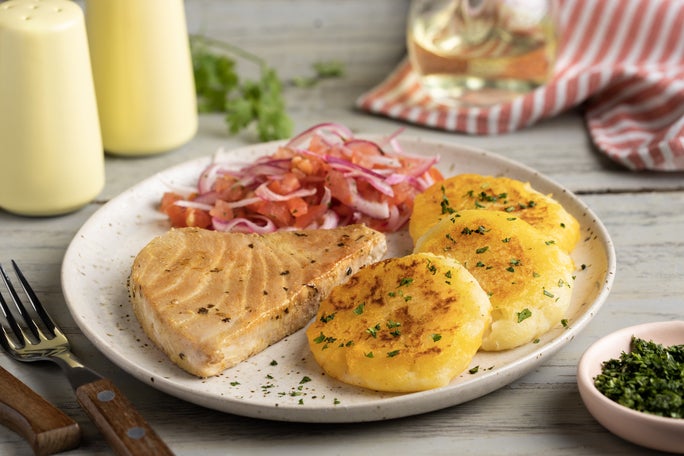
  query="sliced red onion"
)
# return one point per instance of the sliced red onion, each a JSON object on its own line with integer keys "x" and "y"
{"x": 375, "y": 209}
{"x": 327, "y": 197}
{"x": 206, "y": 181}
{"x": 356, "y": 141}
{"x": 207, "y": 198}
{"x": 244, "y": 202}
{"x": 194, "y": 205}
{"x": 352, "y": 170}
{"x": 338, "y": 130}
{"x": 330, "y": 220}
{"x": 395, "y": 221}
{"x": 269, "y": 195}
{"x": 244, "y": 225}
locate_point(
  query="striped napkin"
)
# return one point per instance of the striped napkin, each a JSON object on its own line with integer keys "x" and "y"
{"x": 622, "y": 60}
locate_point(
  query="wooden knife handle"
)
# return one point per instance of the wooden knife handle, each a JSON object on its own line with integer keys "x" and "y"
{"x": 46, "y": 428}
{"x": 124, "y": 428}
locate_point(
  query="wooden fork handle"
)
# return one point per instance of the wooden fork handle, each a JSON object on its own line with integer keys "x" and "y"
{"x": 46, "y": 428}
{"x": 124, "y": 428}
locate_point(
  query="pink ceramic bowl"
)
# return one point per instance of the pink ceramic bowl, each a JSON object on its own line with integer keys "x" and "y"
{"x": 659, "y": 433}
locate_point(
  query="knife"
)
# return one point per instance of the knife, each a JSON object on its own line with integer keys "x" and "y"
{"x": 46, "y": 428}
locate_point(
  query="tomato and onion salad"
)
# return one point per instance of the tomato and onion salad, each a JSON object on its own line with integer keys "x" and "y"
{"x": 322, "y": 178}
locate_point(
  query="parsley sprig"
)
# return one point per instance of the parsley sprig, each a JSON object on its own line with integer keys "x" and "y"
{"x": 245, "y": 102}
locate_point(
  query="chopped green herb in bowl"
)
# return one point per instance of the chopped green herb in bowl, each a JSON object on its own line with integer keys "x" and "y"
{"x": 631, "y": 382}
{"x": 649, "y": 378}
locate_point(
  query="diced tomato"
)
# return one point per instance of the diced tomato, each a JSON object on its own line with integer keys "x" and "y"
{"x": 313, "y": 214}
{"x": 403, "y": 192}
{"x": 368, "y": 192}
{"x": 287, "y": 184}
{"x": 168, "y": 200}
{"x": 228, "y": 188}
{"x": 308, "y": 166}
{"x": 222, "y": 211}
{"x": 318, "y": 145}
{"x": 276, "y": 211}
{"x": 197, "y": 218}
{"x": 180, "y": 216}
{"x": 175, "y": 213}
{"x": 363, "y": 153}
{"x": 297, "y": 207}
{"x": 339, "y": 187}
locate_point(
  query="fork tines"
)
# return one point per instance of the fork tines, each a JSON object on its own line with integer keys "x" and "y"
{"x": 23, "y": 311}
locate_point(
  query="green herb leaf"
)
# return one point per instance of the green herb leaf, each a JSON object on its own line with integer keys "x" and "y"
{"x": 524, "y": 314}
{"x": 220, "y": 89}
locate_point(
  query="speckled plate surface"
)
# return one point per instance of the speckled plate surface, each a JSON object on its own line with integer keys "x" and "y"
{"x": 284, "y": 382}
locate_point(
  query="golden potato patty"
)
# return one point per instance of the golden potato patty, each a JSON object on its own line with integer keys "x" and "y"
{"x": 403, "y": 324}
{"x": 474, "y": 191}
{"x": 528, "y": 278}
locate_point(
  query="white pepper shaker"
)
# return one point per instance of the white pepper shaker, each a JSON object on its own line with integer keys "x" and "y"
{"x": 143, "y": 74}
{"x": 51, "y": 158}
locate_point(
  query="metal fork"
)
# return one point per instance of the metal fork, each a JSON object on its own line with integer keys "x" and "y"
{"x": 39, "y": 339}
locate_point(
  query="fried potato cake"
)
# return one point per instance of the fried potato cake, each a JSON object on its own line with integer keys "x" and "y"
{"x": 474, "y": 191}
{"x": 401, "y": 325}
{"x": 528, "y": 278}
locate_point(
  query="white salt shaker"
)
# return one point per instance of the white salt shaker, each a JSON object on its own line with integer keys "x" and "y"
{"x": 51, "y": 157}
{"x": 143, "y": 74}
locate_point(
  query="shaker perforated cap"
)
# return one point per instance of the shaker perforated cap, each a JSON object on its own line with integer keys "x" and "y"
{"x": 39, "y": 15}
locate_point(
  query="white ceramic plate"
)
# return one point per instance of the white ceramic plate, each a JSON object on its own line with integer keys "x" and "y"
{"x": 284, "y": 382}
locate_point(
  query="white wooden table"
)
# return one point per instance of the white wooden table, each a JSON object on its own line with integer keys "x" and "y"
{"x": 541, "y": 413}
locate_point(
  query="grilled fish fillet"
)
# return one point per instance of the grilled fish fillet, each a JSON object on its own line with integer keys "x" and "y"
{"x": 210, "y": 300}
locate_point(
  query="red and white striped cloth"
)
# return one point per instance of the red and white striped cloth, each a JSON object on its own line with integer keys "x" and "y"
{"x": 624, "y": 59}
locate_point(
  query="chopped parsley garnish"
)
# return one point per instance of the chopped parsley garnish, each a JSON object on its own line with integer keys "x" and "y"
{"x": 444, "y": 203}
{"x": 524, "y": 314}
{"x": 405, "y": 281}
{"x": 373, "y": 331}
{"x": 650, "y": 379}
{"x": 327, "y": 318}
